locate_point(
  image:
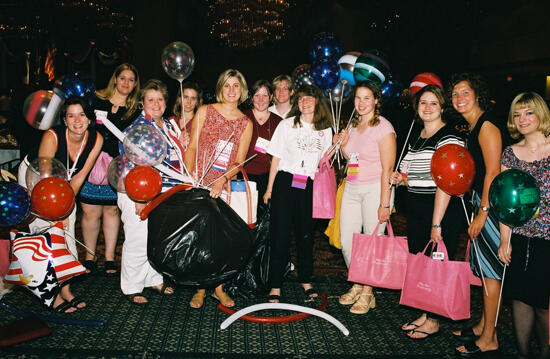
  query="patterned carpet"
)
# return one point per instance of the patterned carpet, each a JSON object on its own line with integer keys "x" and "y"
{"x": 168, "y": 328}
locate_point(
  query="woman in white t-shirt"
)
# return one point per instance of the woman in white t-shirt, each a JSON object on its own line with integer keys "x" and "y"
{"x": 297, "y": 146}
{"x": 370, "y": 148}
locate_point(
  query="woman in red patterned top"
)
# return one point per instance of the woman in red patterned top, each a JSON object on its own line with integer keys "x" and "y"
{"x": 220, "y": 134}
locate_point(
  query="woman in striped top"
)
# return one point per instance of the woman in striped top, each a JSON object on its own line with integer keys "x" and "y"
{"x": 425, "y": 202}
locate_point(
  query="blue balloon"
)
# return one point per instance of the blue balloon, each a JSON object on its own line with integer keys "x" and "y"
{"x": 15, "y": 203}
{"x": 78, "y": 84}
{"x": 325, "y": 45}
{"x": 325, "y": 73}
{"x": 391, "y": 90}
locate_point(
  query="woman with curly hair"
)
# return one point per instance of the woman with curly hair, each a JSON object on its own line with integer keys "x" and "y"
{"x": 297, "y": 146}
{"x": 469, "y": 98}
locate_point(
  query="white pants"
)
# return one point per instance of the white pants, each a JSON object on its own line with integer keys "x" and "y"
{"x": 359, "y": 210}
{"x": 136, "y": 273}
{"x": 40, "y": 224}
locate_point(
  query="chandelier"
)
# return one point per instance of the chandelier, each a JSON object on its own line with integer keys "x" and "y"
{"x": 247, "y": 23}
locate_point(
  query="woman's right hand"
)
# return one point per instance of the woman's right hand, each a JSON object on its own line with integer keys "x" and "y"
{"x": 435, "y": 235}
{"x": 396, "y": 178}
{"x": 267, "y": 197}
{"x": 477, "y": 225}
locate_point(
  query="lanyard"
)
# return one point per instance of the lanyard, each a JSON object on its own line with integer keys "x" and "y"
{"x": 70, "y": 172}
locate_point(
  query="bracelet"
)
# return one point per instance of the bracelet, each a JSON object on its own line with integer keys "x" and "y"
{"x": 436, "y": 226}
{"x": 226, "y": 180}
{"x": 388, "y": 206}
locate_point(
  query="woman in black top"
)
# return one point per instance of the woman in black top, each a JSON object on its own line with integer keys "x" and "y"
{"x": 119, "y": 99}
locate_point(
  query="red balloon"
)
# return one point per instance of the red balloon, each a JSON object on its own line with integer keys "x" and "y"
{"x": 52, "y": 198}
{"x": 142, "y": 183}
{"x": 453, "y": 169}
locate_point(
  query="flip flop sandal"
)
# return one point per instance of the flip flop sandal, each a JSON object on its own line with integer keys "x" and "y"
{"x": 110, "y": 266}
{"x": 90, "y": 265}
{"x": 162, "y": 290}
{"x": 466, "y": 335}
{"x": 311, "y": 295}
{"x": 131, "y": 298}
{"x": 75, "y": 302}
{"x": 63, "y": 307}
{"x": 409, "y": 324}
{"x": 422, "y": 332}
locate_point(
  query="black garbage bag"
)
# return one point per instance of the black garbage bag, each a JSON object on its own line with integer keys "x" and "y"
{"x": 252, "y": 280}
{"x": 197, "y": 240}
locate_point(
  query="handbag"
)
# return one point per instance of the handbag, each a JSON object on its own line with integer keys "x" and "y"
{"x": 379, "y": 260}
{"x": 242, "y": 197}
{"x": 98, "y": 174}
{"x": 437, "y": 286}
{"x": 333, "y": 227}
{"x": 324, "y": 191}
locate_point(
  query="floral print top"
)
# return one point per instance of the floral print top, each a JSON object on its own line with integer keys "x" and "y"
{"x": 540, "y": 170}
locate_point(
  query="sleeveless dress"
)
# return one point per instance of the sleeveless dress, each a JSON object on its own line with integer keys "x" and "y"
{"x": 218, "y": 143}
{"x": 488, "y": 241}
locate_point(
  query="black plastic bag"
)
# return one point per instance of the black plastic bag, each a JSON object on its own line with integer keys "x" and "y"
{"x": 197, "y": 240}
{"x": 253, "y": 280}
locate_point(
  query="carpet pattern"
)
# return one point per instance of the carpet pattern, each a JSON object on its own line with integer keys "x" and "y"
{"x": 168, "y": 327}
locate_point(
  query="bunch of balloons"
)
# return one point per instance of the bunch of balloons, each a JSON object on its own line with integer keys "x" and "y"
{"x": 41, "y": 108}
{"x": 325, "y": 50}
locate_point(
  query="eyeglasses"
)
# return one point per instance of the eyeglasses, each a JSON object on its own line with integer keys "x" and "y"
{"x": 306, "y": 98}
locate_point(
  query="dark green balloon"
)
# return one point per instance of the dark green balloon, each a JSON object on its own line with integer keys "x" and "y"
{"x": 514, "y": 196}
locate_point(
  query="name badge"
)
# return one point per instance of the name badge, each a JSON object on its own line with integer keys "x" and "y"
{"x": 261, "y": 145}
{"x": 173, "y": 155}
{"x": 353, "y": 167}
{"x": 299, "y": 181}
{"x": 222, "y": 155}
{"x": 438, "y": 255}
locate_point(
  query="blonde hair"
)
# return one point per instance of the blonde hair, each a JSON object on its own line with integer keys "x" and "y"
{"x": 226, "y": 75}
{"x": 277, "y": 80}
{"x": 534, "y": 102}
{"x": 132, "y": 100}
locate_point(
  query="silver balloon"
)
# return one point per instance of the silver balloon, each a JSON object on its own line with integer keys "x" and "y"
{"x": 178, "y": 60}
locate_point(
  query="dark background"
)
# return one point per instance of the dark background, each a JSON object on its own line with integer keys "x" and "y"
{"x": 505, "y": 41}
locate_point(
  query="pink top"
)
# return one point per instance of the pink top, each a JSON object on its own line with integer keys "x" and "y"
{"x": 366, "y": 145}
{"x": 212, "y": 145}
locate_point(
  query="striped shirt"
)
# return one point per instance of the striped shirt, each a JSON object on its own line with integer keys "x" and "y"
{"x": 416, "y": 163}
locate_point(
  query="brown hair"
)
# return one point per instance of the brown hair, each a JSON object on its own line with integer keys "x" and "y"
{"x": 377, "y": 93}
{"x": 132, "y": 100}
{"x": 321, "y": 117}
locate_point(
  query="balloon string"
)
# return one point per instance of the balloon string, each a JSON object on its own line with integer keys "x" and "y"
{"x": 240, "y": 165}
{"x": 503, "y": 275}
{"x": 216, "y": 158}
{"x": 468, "y": 220}
{"x": 182, "y": 109}
{"x": 404, "y": 146}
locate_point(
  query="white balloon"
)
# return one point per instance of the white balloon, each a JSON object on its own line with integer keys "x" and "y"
{"x": 284, "y": 306}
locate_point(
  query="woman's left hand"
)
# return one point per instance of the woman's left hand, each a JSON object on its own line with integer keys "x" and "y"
{"x": 184, "y": 139}
{"x": 383, "y": 214}
{"x": 217, "y": 187}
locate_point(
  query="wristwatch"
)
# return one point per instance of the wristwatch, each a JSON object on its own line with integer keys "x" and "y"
{"x": 484, "y": 208}
{"x": 436, "y": 226}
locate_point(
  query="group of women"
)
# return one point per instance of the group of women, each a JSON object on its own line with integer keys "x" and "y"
{"x": 286, "y": 153}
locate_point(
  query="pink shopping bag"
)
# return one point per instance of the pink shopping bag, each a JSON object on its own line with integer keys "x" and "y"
{"x": 379, "y": 260}
{"x": 324, "y": 191}
{"x": 437, "y": 286}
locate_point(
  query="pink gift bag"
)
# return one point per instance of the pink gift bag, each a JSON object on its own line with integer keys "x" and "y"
{"x": 437, "y": 286}
{"x": 379, "y": 260}
{"x": 324, "y": 191}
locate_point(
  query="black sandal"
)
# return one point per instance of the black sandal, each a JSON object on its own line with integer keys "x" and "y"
{"x": 466, "y": 335}
{"x": 91, "y": 266}
{"x": 63, "y": 307}
{"x": 311, "y": 294}
{"x": 162, "y": 290}
{"x": 131, "y": 298}
{"x": 110, "y": 266}
{"x": 75, "y": 302}
{"x": 274, "y": 297}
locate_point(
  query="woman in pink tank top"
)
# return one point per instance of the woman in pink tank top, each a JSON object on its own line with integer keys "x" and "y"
{"x": 220, "y": 134}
